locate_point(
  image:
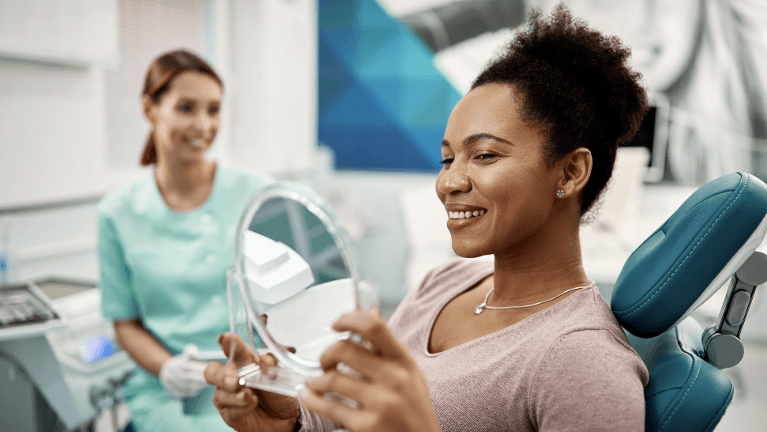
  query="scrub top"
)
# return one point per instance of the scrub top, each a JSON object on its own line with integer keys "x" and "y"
{"x": 168, "y": 268}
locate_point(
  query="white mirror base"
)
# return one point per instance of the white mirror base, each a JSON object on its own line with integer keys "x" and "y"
{"x": 275, "y": 380}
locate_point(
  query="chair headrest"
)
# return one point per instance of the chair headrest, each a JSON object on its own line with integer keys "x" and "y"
{"x": 691, "y": 255}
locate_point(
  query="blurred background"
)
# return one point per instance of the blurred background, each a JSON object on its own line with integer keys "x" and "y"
{"x": 350, "y": 97}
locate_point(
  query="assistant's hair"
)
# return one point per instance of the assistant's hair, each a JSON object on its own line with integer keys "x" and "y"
{"x": 574, "y": 84}
{"x": 158, "y": 78}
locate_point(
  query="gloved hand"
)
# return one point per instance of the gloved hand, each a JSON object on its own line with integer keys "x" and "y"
{"x": 183, "y": 376}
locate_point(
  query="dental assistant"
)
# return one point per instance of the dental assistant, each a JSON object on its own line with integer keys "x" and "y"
{"x": 525, "y": 343}
{"x": 165, "y": 243}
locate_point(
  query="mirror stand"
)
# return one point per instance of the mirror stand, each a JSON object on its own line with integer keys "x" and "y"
{"x": 280, "y": 380}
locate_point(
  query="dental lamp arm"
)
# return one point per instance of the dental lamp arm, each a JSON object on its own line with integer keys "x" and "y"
{"x": 449, "y": 24}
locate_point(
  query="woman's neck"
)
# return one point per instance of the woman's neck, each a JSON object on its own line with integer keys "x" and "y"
{"x": 185, "y": 186}
{"x": 545, "y": 269}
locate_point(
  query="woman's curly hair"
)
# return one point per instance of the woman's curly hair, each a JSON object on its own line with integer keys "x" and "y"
{"x": 576, "y": 86}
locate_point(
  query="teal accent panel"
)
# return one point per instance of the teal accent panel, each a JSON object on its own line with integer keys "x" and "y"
{"x": 383, "y": 105}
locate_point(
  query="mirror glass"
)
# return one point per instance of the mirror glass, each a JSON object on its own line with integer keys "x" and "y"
{"x": 294, "y": 276}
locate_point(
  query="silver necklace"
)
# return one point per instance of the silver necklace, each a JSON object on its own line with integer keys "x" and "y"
{"x": 484, "y": 305}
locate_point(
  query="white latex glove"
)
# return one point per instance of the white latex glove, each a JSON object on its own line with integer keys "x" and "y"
{"x": 183, "y": 376}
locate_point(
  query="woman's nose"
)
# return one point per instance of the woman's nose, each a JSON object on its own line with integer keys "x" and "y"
{"x": 205, "y": 122}
{"x": 453, "y": 179}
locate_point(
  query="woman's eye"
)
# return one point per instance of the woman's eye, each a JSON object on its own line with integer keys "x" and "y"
{"x": 446, "y": 160}
{"x": 184, "y": 108}
{"x": 486, "y": 157}
{"x": 214, "y": 110}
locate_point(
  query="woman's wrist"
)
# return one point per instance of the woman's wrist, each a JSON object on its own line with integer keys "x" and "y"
{"x": 293, "y": 423}
{"x": 297, "y": 426}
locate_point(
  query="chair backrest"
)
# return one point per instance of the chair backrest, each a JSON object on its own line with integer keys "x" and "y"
{"x": 680, "y": 266}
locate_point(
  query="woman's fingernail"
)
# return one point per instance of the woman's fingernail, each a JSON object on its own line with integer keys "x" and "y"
{"x": 302, "y": 393}
{"x": 230, "y": 380}
{"x": 308, "y": 381}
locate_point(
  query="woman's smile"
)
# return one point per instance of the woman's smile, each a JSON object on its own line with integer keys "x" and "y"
{"x": 460, "y": 216}
{"x": 195, "y": 142}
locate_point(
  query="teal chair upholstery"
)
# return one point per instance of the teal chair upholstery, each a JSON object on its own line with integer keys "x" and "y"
{"x": 710, "y": 239}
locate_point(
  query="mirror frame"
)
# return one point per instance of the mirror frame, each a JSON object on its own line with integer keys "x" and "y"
{"x": 319, "y": 207}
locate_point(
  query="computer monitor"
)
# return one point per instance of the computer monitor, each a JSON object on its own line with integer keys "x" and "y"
{"x": 653, "y": 134}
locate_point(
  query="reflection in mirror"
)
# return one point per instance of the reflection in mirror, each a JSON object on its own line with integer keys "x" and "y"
{"x": 294, "y": 266}
{"x": 292, "y": 224}
{"x": 294, "y": 277}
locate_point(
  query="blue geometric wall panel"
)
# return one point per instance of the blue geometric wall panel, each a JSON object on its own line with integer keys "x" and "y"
{"x": 382, "y": 103}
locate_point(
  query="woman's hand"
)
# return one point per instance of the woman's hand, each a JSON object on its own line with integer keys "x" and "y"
{"x": 243, "y": 408}
{"x": 392, "y": 393}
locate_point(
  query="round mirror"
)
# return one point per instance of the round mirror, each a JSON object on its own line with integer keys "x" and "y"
{"x": 294, "y": 276}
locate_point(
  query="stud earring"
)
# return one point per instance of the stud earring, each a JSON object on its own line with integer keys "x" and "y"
{"x": 560, "y": 193}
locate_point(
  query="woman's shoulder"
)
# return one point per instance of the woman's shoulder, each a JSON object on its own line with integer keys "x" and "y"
{"x": 134, "y": 194}
{"x": 589, "y": 362}
{"x": 240, "y": 179}
{"x": 235, "y": 187}
{"x": 585, "y": 331}
{"x": 587, "y": 315}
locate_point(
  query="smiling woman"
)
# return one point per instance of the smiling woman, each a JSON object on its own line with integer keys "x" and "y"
{"x": 165, "y": 243}
{"x": 486, "y": 140}
{"x": 197, "y": 92}
{"x": 525, "y": 343}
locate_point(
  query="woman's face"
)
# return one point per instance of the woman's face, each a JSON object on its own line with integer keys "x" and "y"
{"x": 187, "y": 117}
{"x": 494, "y": 169}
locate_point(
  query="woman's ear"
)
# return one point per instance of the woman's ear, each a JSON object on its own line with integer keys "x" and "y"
{"x": 576, "y": 170}
{"x": 148, "y": 108}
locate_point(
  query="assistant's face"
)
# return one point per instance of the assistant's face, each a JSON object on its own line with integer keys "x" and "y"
{"x": 496, "y": 187}
{"x": 187, "y": 117}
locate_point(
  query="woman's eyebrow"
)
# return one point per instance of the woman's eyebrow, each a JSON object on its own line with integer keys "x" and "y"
{"x": 191, "y": 100}
{"x": 471, "y": 139}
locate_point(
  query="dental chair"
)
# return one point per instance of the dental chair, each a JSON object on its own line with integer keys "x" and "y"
{"x": 710, "y": 239}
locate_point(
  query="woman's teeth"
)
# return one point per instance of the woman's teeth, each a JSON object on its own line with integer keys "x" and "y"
{"x": 466, "y": 214}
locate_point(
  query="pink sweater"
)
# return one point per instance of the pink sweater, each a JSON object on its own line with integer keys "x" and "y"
{"x": 566, "y": 368}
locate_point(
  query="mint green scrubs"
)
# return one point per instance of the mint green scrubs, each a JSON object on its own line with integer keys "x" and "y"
{"x": 168, "y": 270}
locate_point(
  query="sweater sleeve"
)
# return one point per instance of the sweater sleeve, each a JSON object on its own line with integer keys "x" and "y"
{"x": 589, "y": 381}
{"x": 311, "y": 422}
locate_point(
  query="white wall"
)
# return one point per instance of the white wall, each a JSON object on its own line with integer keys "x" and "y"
{"x": 69, "y": 31}
{"x": 57, "y": 242}
{"x": 274, "y": 75}
{"x": 51, "y": 98}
